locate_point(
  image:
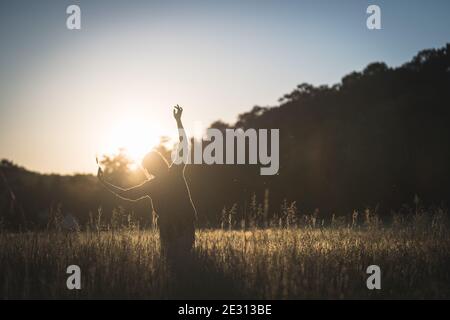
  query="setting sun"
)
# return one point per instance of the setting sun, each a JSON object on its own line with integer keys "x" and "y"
{"x": 134, "y": 136}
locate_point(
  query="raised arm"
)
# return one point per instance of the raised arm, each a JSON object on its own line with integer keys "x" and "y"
{"x": 177, "y": 112}
{"x": 180, "y": 154}
{"x": 133, "y": 194}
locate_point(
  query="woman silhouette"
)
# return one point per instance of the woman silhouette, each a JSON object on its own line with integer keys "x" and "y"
{"x": 170, "y": 197}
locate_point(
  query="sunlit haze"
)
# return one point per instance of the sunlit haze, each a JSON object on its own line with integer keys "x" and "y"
{"x": 67, "y": 96}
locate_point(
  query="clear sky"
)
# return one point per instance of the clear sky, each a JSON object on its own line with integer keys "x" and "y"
{"x": 67, "y": 95}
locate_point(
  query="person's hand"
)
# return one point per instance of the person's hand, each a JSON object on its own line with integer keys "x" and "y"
{"x": 177, "y": 111}
{"x": 100, "y": 174}
{"x": 99, "y": 171}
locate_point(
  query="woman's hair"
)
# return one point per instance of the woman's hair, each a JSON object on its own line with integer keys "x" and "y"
{"x": 155, "y": 163}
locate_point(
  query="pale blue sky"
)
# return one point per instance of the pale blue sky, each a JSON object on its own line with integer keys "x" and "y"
{"x": 67, "y": 95}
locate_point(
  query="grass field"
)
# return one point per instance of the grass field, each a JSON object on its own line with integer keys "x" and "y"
{"x": 292, "y": 263}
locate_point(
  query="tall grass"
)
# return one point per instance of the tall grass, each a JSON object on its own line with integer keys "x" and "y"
{"x": 299, "y": 260}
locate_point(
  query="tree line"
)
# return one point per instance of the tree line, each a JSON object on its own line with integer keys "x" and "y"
{"x": 377, "y": 139}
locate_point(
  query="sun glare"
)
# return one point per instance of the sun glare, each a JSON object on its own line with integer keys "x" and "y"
{"x": 134, "y": 136}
